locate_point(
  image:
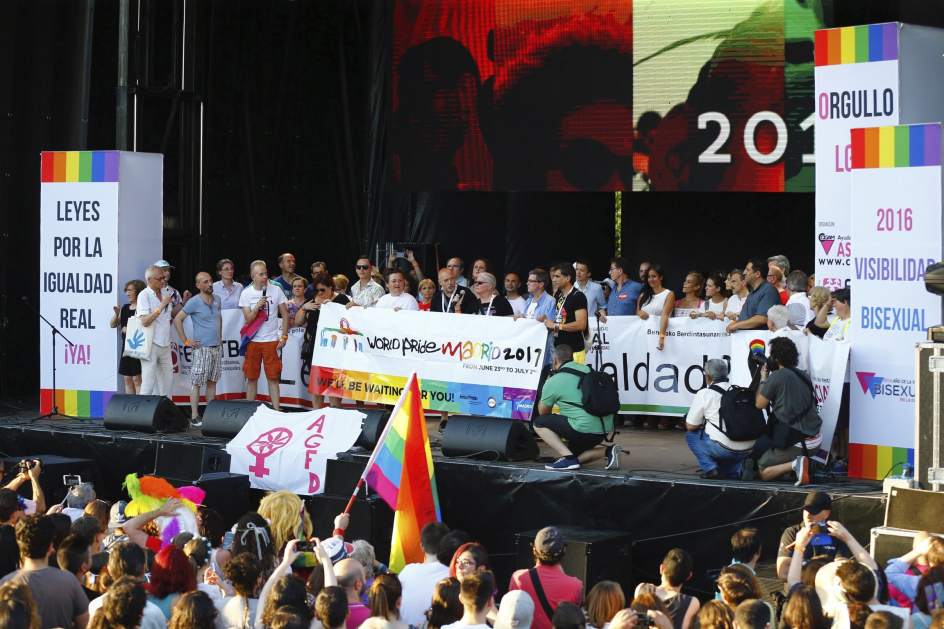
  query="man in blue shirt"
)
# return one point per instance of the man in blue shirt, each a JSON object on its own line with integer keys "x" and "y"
{"x": 591, "y": 290}
{"x": 205, "y": 309}
{"x": 540, "y": 306}
{"x": 625, "y": 291}
{"x": 761, "y": 298}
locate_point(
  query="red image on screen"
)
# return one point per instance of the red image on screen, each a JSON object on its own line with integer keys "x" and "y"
{"x": 512, "y": 95}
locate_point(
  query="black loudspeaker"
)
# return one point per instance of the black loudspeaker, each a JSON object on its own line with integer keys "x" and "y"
{"x": 371, "y": 519}
{"x": 488, "y": 438}
{"x": 341, "y": 475}
{"x": 144, "y": 413}
{"x": 373, "y": 425}
{"x": 50, "y": 479}
{"x": 591, "y": 555}
{"x": 226, "y": 493}
{"x": 225, "y": 418}
{"x": 186, "y": 462}
{"x": 915, "y": 509}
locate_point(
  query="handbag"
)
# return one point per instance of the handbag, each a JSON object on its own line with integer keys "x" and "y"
{"x": 138, "y": 339}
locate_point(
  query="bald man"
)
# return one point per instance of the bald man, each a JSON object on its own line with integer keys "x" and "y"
{"x": 203, "y": 345}
{"x": 350, "y": 576}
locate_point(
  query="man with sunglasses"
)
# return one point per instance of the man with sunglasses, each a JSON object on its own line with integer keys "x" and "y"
{"x": 365, "y": 291}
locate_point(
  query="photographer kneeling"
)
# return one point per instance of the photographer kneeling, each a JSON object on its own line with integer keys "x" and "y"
{"x": 793, "y": 423}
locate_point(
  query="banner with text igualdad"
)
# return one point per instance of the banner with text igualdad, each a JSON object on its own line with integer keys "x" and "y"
{"x": 467, "y": 364}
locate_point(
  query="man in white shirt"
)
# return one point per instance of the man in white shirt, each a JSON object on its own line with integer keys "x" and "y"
{"x": 798, "y": 303}
{"x": 420, "y": 579}
{"x": 155, "y": 310}
{"x": 261, "y": 299}
{"x": 397, "y": 299}
{"x": 513, "y": 293}
{"x": 592, "y": 290}
{"x": 364, "y": 292}
{"x": 177, "y": 300}
{"x": 718, "y": 456}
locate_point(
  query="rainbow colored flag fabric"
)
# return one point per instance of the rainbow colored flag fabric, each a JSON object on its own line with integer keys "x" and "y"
{"x": 401, "y": 471}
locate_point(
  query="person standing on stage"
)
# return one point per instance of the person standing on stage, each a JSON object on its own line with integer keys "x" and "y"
{"x": 625, "y": 291}
{"x": 457, "y": 267}
{"x": 129, "y": 368}
{"x": 762, "y": 296}
{"x": 284, "y": 281}
{"x": 513, "y": 292}
{"x": 397, "y": 298}
{"x": 227, "y": 289}
{"x": 262, "y": 299}
{"x": 570, "y": 323}
{"x": 177, "y": 301}
{"x": 205, "y": 366}
{"x": 154, "y": 309}
{"x": 365, "y": 291}
{"x": 450, "y": 294}
{"x": 490, "y": 303}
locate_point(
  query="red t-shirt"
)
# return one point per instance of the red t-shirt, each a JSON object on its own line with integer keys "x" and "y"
{"x": 558, "y": 588}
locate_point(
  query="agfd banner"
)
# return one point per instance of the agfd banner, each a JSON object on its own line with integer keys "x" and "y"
{"x": 466, "y": 364}
{"x": 291, "y": 450}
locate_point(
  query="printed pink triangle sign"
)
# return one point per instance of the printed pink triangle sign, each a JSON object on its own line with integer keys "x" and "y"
{"x": 865, "y": 379}
{"x": 826, "y": 242}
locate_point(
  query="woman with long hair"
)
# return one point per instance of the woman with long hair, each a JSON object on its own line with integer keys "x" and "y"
{"x": 253, "y": 535}
{"x": 123, "y": 607}
{"x": 469, "y": 558}
{"x": 17, "y": 607}
{"x": 288, "y": 591}
{"x": 446, "y": 608}
{"x": 715, "y": 615}
{"x": 603, "y": 601}
{"x": 737, "y": 583}
{"x": 243, "y": 572}
{"x": 325, "y": 292}
{"x": 716, "y": 299}
{"x": 655, "y": 300}
{"x": 287, "y": 517}
{"x": 803, "y": 610}
{"x": 193, "y": 610}
{"x": 385, "y": 596}
{"x": 171, "y": 576}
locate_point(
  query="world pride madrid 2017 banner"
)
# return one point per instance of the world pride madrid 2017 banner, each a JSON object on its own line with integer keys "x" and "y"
{"x": 896, "y": 223}
{"x": 466, "y": 364}
{"x": 100, "y": 225}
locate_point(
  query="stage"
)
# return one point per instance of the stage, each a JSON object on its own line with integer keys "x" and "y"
{"x": 656, "y": 499}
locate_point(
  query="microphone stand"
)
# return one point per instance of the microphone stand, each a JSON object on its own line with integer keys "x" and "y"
{"x": 54, "y": 412}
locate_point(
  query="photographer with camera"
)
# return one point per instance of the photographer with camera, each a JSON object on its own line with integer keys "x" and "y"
{"x": 793, "y": 422}
{"x": 816, "y": 536}
{"x": 26, "y": 470}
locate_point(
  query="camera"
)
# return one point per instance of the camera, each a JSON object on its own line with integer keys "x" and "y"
{"x": 760, "y": 360}
{"x": 821, "y": 536}
{"x": 643, "y": 619}
{"x": 304, "y": 547}
{"x": 71, "y": 480}
{"x": 25, "y": 466}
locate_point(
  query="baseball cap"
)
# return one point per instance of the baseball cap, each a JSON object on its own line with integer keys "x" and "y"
{"x": 117, "y": 515}
{"x": 164, "y": 264}
{"x": 817, "y": 501}
{"x": 516, "y": 611}
{"x": 549, "y": 542}
{"x": 337, "y": 549}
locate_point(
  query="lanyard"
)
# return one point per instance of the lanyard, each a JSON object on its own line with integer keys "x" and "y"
{"x": 488, "y": 310}
{"x": 448, "y": 304}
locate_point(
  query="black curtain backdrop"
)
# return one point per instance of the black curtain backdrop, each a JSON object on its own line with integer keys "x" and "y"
{"x": 293, "y": 99}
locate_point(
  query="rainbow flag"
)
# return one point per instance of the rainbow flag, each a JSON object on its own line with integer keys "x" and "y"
{"x": 401, "y": 471}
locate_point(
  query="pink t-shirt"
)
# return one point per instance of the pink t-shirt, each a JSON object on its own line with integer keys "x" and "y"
{"x": 558, "y": 588}
{"x": 356, "y": 614}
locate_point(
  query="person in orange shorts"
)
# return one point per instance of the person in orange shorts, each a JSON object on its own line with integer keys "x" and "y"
{"x": 264, "y": 299}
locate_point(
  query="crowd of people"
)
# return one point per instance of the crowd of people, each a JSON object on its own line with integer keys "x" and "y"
{"x": 86, "y": 563}
{"x": 765, "y": 294}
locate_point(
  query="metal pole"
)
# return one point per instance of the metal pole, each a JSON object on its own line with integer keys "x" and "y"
{"x": 121, "y": 106}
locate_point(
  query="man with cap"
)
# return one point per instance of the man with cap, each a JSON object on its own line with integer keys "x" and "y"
{"x": 116, "y": 521}
{"x": 516, "y": 611}
{"x": 546, "y": 582}
{"x": 176, "y": 301}
{"x": 817, "y": 509}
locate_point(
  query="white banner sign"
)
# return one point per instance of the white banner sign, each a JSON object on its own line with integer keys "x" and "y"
{"x": 847, "y": 95}
{"x": 467, "y": 364}
{"x": 291, "y": 450}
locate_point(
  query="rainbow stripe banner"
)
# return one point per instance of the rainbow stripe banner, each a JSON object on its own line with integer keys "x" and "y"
{"x": 856, "y": 44}
{"x": 75, "y": 402}
{"x": 401, "y": 471}
{"x": 877, "y": 462}
{"x": 78, "y": 166}
{"x": 903, "y": 146}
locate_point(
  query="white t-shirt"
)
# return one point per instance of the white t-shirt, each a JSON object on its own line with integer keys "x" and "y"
{"x": 153, "y": 616}
{"x": 232, "y": 609}
{"x": 461, "y": 625}
{"x": 799, "y": 307}
{"x": 403, "y": 301}
{"x": 269, "y": 331}
{"x": 802, "y": 343}
{"x": 735, "y": 303}
{"x": 418, "y": 581}
{"x": 655, "y": 305}
{"x": 148, "y": 302}
{"x": 705, "y": 410}
{"x": 517, "y": 304}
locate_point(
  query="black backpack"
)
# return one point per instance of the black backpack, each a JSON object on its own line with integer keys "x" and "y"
{"x": 599, "y": 395}
{"x": 739, "y": 418}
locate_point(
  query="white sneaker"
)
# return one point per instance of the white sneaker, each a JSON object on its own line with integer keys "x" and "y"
{"x": 613, "y": 457}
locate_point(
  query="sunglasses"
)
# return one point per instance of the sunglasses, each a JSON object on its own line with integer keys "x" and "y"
{"x": 476, "y": 283}
{"x": 362, "y": 267}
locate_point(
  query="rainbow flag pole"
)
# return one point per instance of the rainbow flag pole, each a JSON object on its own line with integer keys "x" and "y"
{"x": 400, "y": 470}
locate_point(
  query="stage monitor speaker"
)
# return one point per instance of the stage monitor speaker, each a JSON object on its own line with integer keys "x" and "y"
{"x": 915, "y": 509}
{"x": 591, "y": 555}
{"x": 53, "y": 468}
{"x": 144, "y": 413}
{"x": 488, "y": 438}
{"x": 374, "y": 423}
{"x": 225, "y": 418}
{"x": 888, "y": 543}
{"x": 341, "y": 475}
{"x": 226, "y": 493}
{"x": 189, "y": 461}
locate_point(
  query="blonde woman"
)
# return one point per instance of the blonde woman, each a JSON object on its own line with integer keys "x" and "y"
{"x": 287, "y": 516}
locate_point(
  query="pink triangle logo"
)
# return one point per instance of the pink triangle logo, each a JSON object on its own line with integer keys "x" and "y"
{"x": 826, "y": 242}
{"x": 869, "y": 382}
